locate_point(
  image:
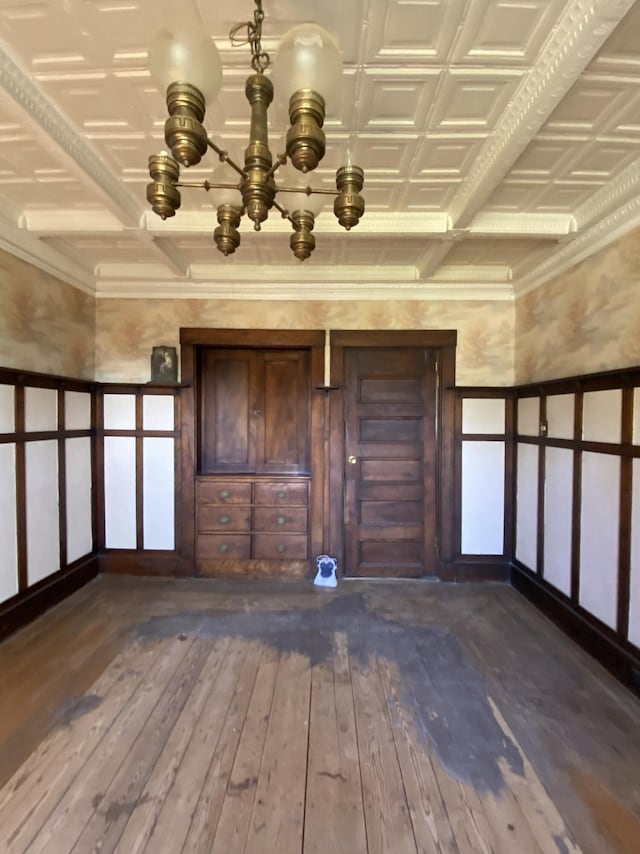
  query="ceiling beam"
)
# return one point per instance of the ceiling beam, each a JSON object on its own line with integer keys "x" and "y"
{"x": 580, "y": 33}
{"x": 65, "y": 140}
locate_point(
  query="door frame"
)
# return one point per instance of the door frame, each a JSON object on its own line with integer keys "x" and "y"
{"x": 443, "y": 343}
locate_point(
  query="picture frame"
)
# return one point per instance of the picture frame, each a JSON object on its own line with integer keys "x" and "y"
{"x": 164, "y": 364}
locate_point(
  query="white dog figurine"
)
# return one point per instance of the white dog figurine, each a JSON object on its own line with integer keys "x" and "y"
{"x": 326, "y": 575}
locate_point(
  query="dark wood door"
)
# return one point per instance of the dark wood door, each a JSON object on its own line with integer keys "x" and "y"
{"x": 390, "y": 462}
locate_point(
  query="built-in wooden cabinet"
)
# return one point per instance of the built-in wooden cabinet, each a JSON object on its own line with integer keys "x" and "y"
{"x": 254, "y": 455}
{"x": 253, "y": 519}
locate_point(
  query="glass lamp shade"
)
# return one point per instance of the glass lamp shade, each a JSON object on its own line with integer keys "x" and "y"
{"x": 225, "y": 195}
{"x": 308, "y": 58}
{"x": 181, "y": 50}
{"x": 290, "y": 177}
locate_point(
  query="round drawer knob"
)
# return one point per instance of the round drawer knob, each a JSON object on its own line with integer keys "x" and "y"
{"x": 223, "y": 549}
{"x": 281, "y": 548}
{"x": 224, "y": 520}
{"x": 225, "y": 494}
{"x": 282, "y": 494}
{"x": 281, "y": 520}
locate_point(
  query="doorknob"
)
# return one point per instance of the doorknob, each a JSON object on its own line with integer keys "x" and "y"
{"x": 351, "y": 459}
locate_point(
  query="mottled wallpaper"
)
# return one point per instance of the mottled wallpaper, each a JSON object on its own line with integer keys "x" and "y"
{"x": 126, "y": 330}
{"x": 586, "y": 320}
{"x": 45, "y": 325}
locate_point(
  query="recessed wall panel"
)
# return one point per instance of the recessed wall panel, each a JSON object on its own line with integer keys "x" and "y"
{"x": 602, "y": 415}
{"x": 40, "y": 409}
{"x": 8, "y": 530}
{"x": 558, "y": 497}
{"x": 77, "y": 410}
{"x": 157, "y": 412}
{"x": 634, "y": 593}
{"x": 158, "y": 485}
{"x": 119, "y": 412}
{"x": 483, "y": 415}
{"x": 560, "y": 416}
{"x": 529, "y": 416}
{"x": 120, "y": 492}
{"x": 7, "y": 409}
{"x": 599, "y": 532}
{"x": 527, "y": 506}
{"x": 482, "y": 522}
{"x": 78, "y": 489}
{"x": 43, "y": 512}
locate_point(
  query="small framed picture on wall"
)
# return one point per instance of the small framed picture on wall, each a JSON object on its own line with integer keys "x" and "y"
{"x": 164, "y": 364}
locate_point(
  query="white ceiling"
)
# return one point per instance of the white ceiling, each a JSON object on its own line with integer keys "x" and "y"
{"x": 500, "y": 141}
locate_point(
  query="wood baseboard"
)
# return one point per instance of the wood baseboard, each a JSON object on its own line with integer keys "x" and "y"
{"x": 26, "y": 606}
{"x": 478, "y": 569}
{"x": 617, "y": 657}
{"x": 159, "y": 563}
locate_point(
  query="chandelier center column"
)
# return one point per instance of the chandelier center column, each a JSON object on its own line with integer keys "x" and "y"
{"x": 258, "y": 188}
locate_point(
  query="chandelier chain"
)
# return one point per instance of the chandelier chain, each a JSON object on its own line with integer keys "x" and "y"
{"x": 260, "y": 59}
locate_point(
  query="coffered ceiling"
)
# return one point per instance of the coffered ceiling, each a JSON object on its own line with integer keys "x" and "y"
{"x": 500, "y": 141}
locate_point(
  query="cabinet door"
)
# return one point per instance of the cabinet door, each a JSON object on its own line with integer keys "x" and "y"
{"x": 228, "y": 395}
{"x": 283, "y": 428}
{"x": 254, "y": 411}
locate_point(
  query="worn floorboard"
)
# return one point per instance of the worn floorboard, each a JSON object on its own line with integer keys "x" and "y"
{"x": 147, "y": 715}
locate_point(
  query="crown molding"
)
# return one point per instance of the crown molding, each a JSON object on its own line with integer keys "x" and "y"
{"x": 581, "y": 32}
{"x": 34, "y": 251}
{"x": 322, "y": 292}
{"x": 610, "y": 197}
{"x": 594, "y": 239}
{"x": 29, "y": 98}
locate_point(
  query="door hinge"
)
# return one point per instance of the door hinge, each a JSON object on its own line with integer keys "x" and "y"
{"x": 437, "y": 545}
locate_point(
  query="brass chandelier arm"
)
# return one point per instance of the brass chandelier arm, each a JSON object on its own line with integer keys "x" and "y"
{"x": 224, "y": 157}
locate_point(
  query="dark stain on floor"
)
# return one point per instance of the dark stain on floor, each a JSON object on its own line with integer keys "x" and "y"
{"x": 76, "y": 707}
{"x": 443, "y": 689}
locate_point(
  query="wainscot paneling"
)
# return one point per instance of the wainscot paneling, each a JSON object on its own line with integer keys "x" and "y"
{"x": 577, "y": 516}
{"x": 138, "y": 446}
{"x": 484, "y": 419}
{"x": 47, "y": 495}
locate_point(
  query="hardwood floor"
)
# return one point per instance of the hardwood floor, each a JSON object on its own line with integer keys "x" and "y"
{"x": 182, "y": 716}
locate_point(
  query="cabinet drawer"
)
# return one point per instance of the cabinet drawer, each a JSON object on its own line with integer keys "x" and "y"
{"x": 276, "y": 519}
{"x": 220, "y": 547}
{"x": 274, "y": 547}
{"x": 220, "y": 517}
{"x": 224, "y": 492}
{"x": 284, "y": 492}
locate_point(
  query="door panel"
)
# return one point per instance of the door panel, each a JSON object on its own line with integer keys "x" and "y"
{"x": 390, "y": 461}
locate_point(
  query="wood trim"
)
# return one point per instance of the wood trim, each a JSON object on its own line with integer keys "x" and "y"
{"x": 478, "y": 568}
{"x": 132, "y": 562}
{"x": 139, "y": 474}
{"x": 263, "y": 338}
{"x": 616, "y": 656}
{"x": 626, "y": 499}
{"x": 31, "y": 603}
{"x": 621, "y": 378}
{"x": 11, "y": 376}
{"x": 21, "y": 491}
{"x": 62, "y": 479}
{"x": 542, "y": 459}
{"x": 188, "y": 455}
{"x": 576, "y": 500}
{"x": 509, "y": 477}
{"x": 429, "y": 339}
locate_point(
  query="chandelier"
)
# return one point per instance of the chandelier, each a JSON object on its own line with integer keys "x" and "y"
{"x": 184, "y": 62}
